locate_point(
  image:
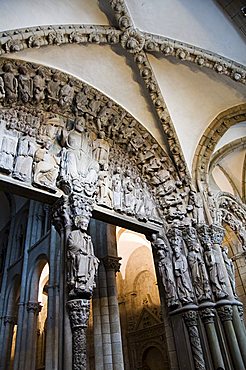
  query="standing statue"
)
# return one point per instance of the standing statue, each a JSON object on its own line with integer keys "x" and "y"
{"x": 128, "y": 191}
{"x": 104, "y": 196}
{"x": 101, "y": 149}
{"x": 230, "y": 269}
{"x": 10, "y": 83}
{"x": 66, "y": 95}
{"x": 117, "y": 189}
{"x": 53, "y": 87}
{"x": 198, "y": 272}
{"x": 39, "y": 86}
{"x": 25, "y": 85}
{"x": 181, "y": 272}
{"x": 46, "y": 168}
{"x": 23, "y": 165}
{"x": 217, "y": 278}
{"x": 81, "y": 263}
{"x": 196, "y": 200}
{"x": 165, "y": 268}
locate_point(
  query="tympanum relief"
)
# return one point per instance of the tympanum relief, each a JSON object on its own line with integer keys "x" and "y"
{"x": 59, "y": 133}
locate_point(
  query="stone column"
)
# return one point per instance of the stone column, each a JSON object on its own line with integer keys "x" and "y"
{"x": 33, "y": 309}
{"x": 112, "y": 265}
{"x": 191, "y": 322}
{"x": 207, "y": 315}
{"x": 226, "y": 316}
{"x": 239, "y": 328}
{"x": 71, "y": 216}
{"x": 9, "y": 322}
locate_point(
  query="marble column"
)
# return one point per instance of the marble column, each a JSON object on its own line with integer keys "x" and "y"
{"x": 9, "y": 322}
{"x": 112, "y": 265}
{"x": 208, "y": 318}
{"x": 225, "y": 313}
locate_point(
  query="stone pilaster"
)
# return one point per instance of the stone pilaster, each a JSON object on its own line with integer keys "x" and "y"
{"x": 191, "y": 322}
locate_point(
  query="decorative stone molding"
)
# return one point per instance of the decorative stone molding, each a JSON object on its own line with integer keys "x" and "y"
{"x": 36, "y": 37}
{"x": 12, "y": 320}
{"x": 112, "y": 263}
{"x": 191, "y": 321}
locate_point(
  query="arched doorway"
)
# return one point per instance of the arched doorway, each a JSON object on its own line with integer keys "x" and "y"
{"x": 153, "y": 359}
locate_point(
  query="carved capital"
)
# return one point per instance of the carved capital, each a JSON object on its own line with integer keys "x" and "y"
{"x": 217, "y": 234}
{"x": 207, "y": 315}
{"x": 190, "y": 318}
{"x": 225, "y": 313}
{"x": 241, "y": 313}
{"x": 34, "y": 307}
{"x": 12, "y": 320}
{"x": 78, "y": 311}
{"x": 112, "y": 263}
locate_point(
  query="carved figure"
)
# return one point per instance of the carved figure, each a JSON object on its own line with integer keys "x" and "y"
{"x": 181, "y": 272}
{"x": 215, "y": 272}
{"x": 101, "y": 149}
{"x": 104, "y": 188}
{"x": 81, "y": 263}
{"x": 66, "y": 95}
{"x": 117, "y": 189}
{"x": 46, "y": 168}
{"x": 2, "y": 91}
{"x": 230, "y": 269}
{"x": 198, "y": 271}
{"x": 196, "y": 200}
{"x": 165, "y": 268}
{"x": 128, "y": 191}
{"x": 139, "y": 200}
{"x": 53, "y": 87}
{"x": 104, "y": 115}
{"x": 23, "y": 165}
{"x": 25, "y": 85}
{"x": 78, "y": 165}
{"x": 39, "y": 86}
{"x": 10, "y": 82}
{"x": 7, "y": 153}
{"x": 81, "y": 100}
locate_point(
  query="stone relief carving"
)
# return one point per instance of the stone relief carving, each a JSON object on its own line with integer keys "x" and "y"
{"x": 24, "y": 159}
{"x": 165, "y": 267}
{"x": 81, "y": 123}
{"x": 183, "y": 282}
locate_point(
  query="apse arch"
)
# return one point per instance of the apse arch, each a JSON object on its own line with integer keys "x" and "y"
{"x": 214, "y": 132}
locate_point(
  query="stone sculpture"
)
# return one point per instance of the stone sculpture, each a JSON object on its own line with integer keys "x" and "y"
{"x": 7, "y": 153}
{"x": 79, "y": 171}
{"x": 128, "y": 193}
{"x": 46, "y": 168}
{"x": 81, "y": 263}
{"x": 2, "y": 91}
{"x": 217, "y": 278}
{"x": 101, "y": 149}
{"x": 39, "y": 85}
{"x": 165, "y": 268}
{"x": 10, "y": 83}
{"x": 66, "y": 95}
{"x": 23, "y": 164}
{"x": 184, "y": 287}
{"x": 25, "y": 85}
{"x": 117, "y": 189}
{"x": 230, "y": 269}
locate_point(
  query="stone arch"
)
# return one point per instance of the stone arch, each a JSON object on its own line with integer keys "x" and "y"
{"x": 209, "y": 140}
{"x": 34, "y": 277}
{"x": 42, "y": 111}
{"x": 153, "y": 354}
